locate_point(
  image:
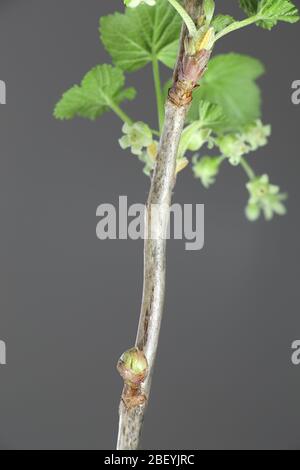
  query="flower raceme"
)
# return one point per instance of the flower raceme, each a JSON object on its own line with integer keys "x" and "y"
{"x": 234, "y": 146}
{"x": 138, "y": 137}
{"x": 225, "y": 110}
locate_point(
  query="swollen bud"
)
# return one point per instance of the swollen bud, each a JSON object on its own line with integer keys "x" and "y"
{"x": 133, "y": 367}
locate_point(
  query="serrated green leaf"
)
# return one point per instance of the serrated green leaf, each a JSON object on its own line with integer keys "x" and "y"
{"x": 230, "y": 83}
{"x": 269, "y": 12}
{"x": 138, "y": 35}
{"x": 221, "y": 22}
{"x": 212, "y": 116}
{"x": 250, "y": 7}
{"x": 100, "y": 90}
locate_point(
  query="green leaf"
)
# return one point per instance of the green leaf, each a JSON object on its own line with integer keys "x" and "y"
{"x": 221, "y": 22}
{"x": 138, "y": 35}
{"x": 192, "y": 138}
{"x": 250, "y": 7}
{"x": 230, "y": 83}
{"x": 212, "y": 116}
{"x": 101, "y": 89}
{"x": 209, "y": 9}
{"x": 269, "y": 12}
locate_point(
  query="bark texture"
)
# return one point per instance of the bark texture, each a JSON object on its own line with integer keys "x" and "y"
{"x": 186, "y": 75}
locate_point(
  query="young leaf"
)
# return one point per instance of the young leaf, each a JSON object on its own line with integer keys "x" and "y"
{"x": 250, "y": 7}
{"x": 269, "y": 12}
{"x": 209, "y": 9}
{"x": 221, "y": 22}
{"x": 138, "y": 35}
{"x": 100, "y": 90}
{"x": 212, "y": 116}
{"x": 230, "y": 83}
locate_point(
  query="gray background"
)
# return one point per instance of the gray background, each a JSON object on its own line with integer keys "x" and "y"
{"x": 70, "y": 303}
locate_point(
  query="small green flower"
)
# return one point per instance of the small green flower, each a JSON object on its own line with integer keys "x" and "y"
{"x": 206, "y": 169}
{"x": 256, "y": 135}
{"x": 233, "y": 146}
{"x": 252, "y": 211}
{"x": 137, "y": 136}
{"x": 136, "y": 3}
{"x": 264, "y": 197}
{"x": 198, "y": 139}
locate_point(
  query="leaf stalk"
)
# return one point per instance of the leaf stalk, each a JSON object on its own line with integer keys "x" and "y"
{"x": 185, "y": 16}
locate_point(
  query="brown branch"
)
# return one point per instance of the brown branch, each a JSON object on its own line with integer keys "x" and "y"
{"x": 188, "y": 71}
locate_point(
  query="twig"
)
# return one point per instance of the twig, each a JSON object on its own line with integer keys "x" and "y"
{"x": 136, "y": 366}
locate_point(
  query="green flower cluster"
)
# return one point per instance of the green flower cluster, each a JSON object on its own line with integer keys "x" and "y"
{"x": 264, "y": 198}
{"x": 137, "y": 136}
{"x": 234, "y": 146}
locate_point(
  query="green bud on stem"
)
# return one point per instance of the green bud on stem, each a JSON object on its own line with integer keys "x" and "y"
{"x": 133, "y": 367}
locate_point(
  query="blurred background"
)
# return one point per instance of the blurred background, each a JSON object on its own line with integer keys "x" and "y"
{"x": 69, "y": 303}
